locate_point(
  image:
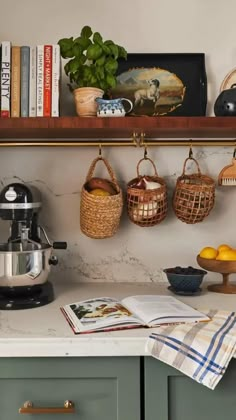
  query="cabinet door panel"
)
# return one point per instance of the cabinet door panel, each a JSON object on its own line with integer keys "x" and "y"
{"x": 169, "y": 395}
{"x": 101, "y": 388}
{"x": 94, "y": 398}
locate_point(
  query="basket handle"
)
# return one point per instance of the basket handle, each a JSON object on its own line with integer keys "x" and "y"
{"x": 151, "y": 161}
{"x": 109, "y": 169}
{"x": 185, "y": 162}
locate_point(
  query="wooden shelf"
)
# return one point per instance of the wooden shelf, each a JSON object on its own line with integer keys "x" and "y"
{"x": 55, "y": 130}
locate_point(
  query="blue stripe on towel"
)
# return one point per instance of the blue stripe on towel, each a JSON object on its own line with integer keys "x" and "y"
{"x": 213, "y": 341}
{"x": 199, "y": 362}
{"x": 218, "y": 347}
{"x": 203, "y": 357}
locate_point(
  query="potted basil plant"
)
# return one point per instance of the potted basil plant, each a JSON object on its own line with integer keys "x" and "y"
{"x": 92, "y": 67}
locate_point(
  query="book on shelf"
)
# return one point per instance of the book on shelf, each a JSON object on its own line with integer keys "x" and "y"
{"x": 32, "y": 82}
{"x": 47, "y": 81}
{"x": 5, "y": 90}
{"x": 24, "y": 77}
{"x": 106, "y": 313}
{"x": 15, "y": 80}
{"x": 56, "y": 61}
{"x": 40, "y": 80}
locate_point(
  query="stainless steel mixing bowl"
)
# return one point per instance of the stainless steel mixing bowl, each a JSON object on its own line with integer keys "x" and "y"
{"x": 26, "y": 267}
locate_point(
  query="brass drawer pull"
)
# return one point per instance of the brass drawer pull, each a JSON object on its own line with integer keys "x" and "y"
{"x": 28, "y": 408}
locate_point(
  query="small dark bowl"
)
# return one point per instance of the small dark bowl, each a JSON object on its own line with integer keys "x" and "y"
{"x": 185, "y": 278}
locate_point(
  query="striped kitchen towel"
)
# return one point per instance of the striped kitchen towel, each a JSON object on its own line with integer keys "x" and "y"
{"x": 201, "y": 350}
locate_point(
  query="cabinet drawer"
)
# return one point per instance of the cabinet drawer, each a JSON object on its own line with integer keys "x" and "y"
{"x": 169, "y": 395}
{"x": 100, "y": 388}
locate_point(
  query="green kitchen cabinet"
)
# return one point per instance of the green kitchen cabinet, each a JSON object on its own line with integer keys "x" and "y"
{"x": 100, "y": 388}
{"x": 169, "y": 395}
{"x": 110, "y": 388}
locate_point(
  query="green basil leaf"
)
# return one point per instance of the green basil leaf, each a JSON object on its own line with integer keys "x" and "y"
{"x": 66, "y": 68}
{"x": 66, "y": 47}
{"x": 109, "y": 42}
{"x": 83, "y": 42}
{"x": 66, "y": 43}
{"x": 122, "y": 52}
{"x": 111, "y": 66}
{"x": 105, "y": 49}
{"x": 93, "y": 80}
{"x": 97, "y": 38}
{"x": 73, "y": 65}
{"x": 77, "y": 50}
{"x": 101, "y": 60}
{"x": 111, "y": 80}
{"x": 87, "y": 72}
{"x": 86, "y": 32}
{"x": 103, "y": 85}
{"x": 94, "y": 52}
{"x": 100, "y": 73}
{"x": 114, "y": 50}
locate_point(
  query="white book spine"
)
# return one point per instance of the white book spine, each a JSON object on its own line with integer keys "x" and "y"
{"x": 40, "y": 80}
{"x": 55, "y": 80}
{"x": 32, "y": 83}
{"x": 5, "y": 79}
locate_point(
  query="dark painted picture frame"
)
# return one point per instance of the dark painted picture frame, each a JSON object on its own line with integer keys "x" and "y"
{"x": 163, "y": 84}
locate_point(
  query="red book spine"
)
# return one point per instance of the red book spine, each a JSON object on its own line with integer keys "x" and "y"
{"x": 47, "y": 86}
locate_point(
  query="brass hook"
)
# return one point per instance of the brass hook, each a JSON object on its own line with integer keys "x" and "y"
{"x": 135, "y": 138}
{"x": 141, "y": 139}
{"x": 100, "y": 150}
{"x": 234, "y": 154}
{"x": 190, "y": 154}
{"x": 145, "y": 151}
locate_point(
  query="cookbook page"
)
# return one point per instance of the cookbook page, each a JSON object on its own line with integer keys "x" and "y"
{"x": 99, "y": 313}
{"x": 156, "y": 310}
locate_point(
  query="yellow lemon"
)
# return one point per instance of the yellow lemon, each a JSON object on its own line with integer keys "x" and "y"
{"x": 100, "y": 192}
{"x": 223, "y": 247}
{"x": 209, "y": 253}
{"x": 227, "y": 255}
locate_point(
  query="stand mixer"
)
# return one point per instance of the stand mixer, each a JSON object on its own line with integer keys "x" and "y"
{"x": 25, "y": 260}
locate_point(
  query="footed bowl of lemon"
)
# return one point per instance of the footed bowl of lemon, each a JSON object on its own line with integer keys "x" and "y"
{"x": 220, "y": 260}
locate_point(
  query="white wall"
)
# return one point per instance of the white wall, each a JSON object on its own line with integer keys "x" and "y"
{"x": 134, "y": 254}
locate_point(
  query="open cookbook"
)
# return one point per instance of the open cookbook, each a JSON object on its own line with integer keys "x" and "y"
{"x": 105, "y": 313}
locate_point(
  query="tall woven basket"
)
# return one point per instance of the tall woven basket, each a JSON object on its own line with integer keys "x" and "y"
{"x": 100, "y": 216}
{"x": 194, "y": 195}
{"x": 147, "y": 207}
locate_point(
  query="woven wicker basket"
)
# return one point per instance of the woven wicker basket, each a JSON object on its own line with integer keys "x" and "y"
{"x": 100, "y": 216}
{"x": 194, "y": 196}
{"x": 147, "y": 207}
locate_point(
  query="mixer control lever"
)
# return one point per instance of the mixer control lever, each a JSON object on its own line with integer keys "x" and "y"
{"x": 59, "y": 245}
{"x": 53, "y": 260}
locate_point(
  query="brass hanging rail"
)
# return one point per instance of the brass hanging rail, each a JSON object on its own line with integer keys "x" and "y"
{"x": 136, "y": 140}
{"x": 143, "y": 142}
{"x": 165, "y": 143}
{"x": 66, "y": 143}
{"x": 186, "y": 143}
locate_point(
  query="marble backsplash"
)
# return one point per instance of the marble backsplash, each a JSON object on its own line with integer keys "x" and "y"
{"x": 134, "y": 254}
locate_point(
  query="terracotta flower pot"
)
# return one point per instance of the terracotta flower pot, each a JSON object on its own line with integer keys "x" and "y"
{"x": 85, "y": 103}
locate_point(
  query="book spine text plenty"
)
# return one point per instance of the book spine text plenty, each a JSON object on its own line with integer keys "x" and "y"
{"x": 6, "y": 79}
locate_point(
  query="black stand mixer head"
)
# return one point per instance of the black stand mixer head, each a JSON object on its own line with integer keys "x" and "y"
{"x": 25, "y": 260}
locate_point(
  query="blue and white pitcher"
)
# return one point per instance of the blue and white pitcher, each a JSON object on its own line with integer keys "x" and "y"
{"x": 112, "y": 107}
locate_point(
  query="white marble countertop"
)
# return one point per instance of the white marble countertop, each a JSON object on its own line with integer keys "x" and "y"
{"x": 44, "y": 332}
